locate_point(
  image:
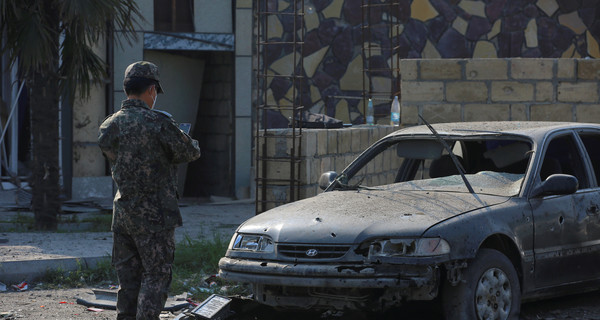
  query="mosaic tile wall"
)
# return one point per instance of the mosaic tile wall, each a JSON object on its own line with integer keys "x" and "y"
{"x": 332, "y": 54}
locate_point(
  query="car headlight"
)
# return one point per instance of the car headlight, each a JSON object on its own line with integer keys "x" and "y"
{"x": 423, "y": 247}
{"x": 252, "y": 242}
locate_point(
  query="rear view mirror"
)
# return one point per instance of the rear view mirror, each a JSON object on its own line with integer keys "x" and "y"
{"x": 419, "y": 149}
{"x": 556, "y": 184}
{"x": 326, "y": 179}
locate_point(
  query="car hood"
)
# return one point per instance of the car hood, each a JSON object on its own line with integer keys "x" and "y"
{"x": 353, "y": 216}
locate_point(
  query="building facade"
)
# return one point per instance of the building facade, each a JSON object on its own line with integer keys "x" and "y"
{"x": 203, "y": 50}
{"x": 351, "y": 49}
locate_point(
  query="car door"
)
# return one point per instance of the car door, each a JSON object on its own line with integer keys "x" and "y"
{"x": 591, "y": 205}
{"x": 561, "y": 240}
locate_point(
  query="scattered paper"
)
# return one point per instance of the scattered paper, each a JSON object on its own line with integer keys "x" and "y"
{"x": 23, "y": 286}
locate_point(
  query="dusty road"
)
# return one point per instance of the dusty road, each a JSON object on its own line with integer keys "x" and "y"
{"x": 61, "y": 304}
{"x": 48, "y": 304}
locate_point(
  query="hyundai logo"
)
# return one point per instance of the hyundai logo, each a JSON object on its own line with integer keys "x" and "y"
{"x": 312, "y": 252}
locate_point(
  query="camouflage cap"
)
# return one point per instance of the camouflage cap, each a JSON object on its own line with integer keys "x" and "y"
{"x": 143, "y": 69}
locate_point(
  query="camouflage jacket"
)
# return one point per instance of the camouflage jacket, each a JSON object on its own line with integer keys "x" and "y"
{"x": 143, "y": 148}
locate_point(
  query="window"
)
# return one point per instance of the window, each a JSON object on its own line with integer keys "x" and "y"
{"x": 174, "y": 15}
{"x": 491, "y": 165}
{"x": 562, "y": 156}
{"x": 592, "y": 145}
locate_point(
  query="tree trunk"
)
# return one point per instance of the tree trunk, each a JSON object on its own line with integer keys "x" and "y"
{"x": 44, "y": 96}
{"x": 46, "y": 203}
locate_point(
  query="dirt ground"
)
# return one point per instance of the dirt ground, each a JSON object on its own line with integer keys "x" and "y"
{"x": 205, "y": 221}
{"x": 48, "y": 304}
{"x": 61, "y": 304}
{"x": 200, "y": 221}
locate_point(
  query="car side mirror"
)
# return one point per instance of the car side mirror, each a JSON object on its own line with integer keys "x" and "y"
{"x": 326, "y": 179}
{"x": 556, "y": 184}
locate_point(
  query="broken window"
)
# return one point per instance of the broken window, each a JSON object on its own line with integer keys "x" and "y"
{"x": 497, "y": 166}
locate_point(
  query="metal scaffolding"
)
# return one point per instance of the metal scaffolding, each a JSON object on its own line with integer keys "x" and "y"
{"x": 380, "y": 17}
{"x": 265, "y": 107}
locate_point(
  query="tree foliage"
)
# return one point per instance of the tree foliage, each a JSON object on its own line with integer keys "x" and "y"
{"x": 52, "y": 44}
{"x": 33, "y": 35}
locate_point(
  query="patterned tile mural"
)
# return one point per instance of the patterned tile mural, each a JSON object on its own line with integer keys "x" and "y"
{"x": 333, "y": 57}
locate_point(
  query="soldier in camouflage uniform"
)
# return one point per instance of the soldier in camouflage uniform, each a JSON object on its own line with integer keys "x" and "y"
{"x": 143, "y": 147}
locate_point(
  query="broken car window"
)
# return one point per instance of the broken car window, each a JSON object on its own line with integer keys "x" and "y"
{"x": 492, "y": 166}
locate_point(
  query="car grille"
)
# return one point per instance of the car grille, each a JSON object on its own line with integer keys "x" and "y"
{"x": 311, "y": 251}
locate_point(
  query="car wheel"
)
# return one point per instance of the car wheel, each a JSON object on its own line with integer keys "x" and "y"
{"x": 490, "y": 289}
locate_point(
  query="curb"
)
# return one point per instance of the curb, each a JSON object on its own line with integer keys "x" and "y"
{"x": 12, "y": 272}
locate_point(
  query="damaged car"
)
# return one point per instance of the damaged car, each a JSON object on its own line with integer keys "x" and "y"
{"x": 477, "y": 216}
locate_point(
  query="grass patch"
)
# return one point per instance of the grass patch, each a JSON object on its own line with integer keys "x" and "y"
{"x": 102, "y": 273}
{"x": 25, "y": 222}
{"x": 199, "y": 255}
{"x": 22, "y": 218}
{"x": 195, "y": 261}
{"x": 17, "y": 222}
{"x": 68, "y": 218}
{"x": 100, "y": 222}
{"x": 105, "y": 219}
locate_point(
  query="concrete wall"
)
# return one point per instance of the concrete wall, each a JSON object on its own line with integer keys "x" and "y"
{"x": 446, "y": 90}
{"x": 89, "y": 168}
{"x": 213, "y": 16}
{"x": 322, "y": 150}
{"x": 88, "y": 114}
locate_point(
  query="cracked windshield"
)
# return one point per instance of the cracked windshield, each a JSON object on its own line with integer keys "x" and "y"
{"x": 490, "y": 166}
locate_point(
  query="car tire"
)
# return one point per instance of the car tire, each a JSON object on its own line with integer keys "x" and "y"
{"x": 489, "y": 289}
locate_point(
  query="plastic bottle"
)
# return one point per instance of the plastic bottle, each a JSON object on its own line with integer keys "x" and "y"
{"x": 395, "y": 112}
{"x": 370, "y": 117}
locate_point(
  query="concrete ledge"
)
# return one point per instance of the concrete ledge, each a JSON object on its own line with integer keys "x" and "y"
{"x": 12, "y": 272}
{"x": 92, "y": 187}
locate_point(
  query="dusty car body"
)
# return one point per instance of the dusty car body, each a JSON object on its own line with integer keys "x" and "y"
{"x": 506, "y": 211}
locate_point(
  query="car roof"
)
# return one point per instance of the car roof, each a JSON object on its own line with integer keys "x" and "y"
{"x": 533, "y": 129}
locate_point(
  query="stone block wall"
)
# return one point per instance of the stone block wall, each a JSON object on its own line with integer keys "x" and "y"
{"x": 321, "y": 150}
{"x": 446, "y": 90}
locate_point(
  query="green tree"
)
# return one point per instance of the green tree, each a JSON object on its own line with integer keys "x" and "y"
{"x": 51, "y": 42}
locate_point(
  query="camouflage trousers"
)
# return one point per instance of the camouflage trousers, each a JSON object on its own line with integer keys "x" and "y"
{"x": 143, "y": 264}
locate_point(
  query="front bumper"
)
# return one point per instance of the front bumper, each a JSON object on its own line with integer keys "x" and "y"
{"x": 328, "y": 275}
{"x": 338, "y": 286}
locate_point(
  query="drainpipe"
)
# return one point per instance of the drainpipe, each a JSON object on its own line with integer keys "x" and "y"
{"x": 14, "y": 125}
{"x": 65, "y": 140}
{"x": 66, "y": 144}
{"x": 109, "y": 91}
{"x": 110, "y": 64}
